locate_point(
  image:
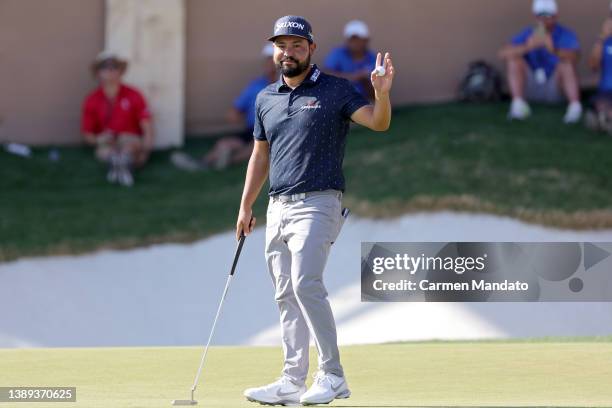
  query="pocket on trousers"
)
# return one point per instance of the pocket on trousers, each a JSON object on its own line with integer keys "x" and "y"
{"x": 344, "y": 212}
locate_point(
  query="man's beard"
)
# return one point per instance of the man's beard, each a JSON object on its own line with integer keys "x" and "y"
{"x": 298, "y": 69}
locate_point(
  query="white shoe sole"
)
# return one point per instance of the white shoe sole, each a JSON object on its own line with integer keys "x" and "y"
{"x": 343, "y": 395}
{"x": 282, "y": 403}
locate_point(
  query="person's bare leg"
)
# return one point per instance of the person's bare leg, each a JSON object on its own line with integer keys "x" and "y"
{"x": 603, "y": 114}
{"x": 212, "y": 156}
{"x": 107, "y": 153}
{"x": 104, "y": 152}
{"x": 130, "y": 145}
{"x": 517, "y": 77}
{"x": 225, "y": 146}
{"x": 243, "y": 153}
{"x": 132, "y": 155}
{"x": 106, "y": 146}
{"x": 136, "y": 152}
{"x": 568, "y": 81}
{"x": 517, "y": 81}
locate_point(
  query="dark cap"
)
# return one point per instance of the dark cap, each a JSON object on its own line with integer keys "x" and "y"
{"x": 292, "y": 25}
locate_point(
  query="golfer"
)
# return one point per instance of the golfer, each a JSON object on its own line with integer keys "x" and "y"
{"x": 301, "y": 123}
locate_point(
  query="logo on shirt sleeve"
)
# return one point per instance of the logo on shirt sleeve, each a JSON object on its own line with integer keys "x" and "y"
{"x": 315, "y": 75}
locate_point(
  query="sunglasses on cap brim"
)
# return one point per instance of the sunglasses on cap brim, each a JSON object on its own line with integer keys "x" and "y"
{"x": 545, "y": 15}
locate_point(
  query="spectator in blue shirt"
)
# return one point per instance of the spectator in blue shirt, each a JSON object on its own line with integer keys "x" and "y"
{"x": 600, "y": 116}
{"x": 353, "y": 60}
{"x": 236, "y": 148}
{"x": 541, "y": 63}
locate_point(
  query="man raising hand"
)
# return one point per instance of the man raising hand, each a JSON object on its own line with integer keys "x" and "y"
{"x": 301, "y": 125}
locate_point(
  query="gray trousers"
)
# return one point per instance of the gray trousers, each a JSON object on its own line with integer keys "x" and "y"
{"x": 298, "y": 239}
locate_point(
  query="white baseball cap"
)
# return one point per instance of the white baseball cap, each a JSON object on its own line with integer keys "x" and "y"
{"x": 267, "y": 50}
{"x": 356, "y": 28}
{"x": 109, "y": 54}
{"x": 545, "y": 7}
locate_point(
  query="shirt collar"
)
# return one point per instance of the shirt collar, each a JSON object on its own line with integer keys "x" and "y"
{"x": 310, "y": 80}
{"x": 120, "y": 92}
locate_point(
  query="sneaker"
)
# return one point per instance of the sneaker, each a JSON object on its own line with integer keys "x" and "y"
{"x": 185, "y": 162}
{"x": 125, "y": 177}
{"x": 325, "y": 389}
{"x": 573, "y": 114}
{"x": 281, "y": 392}
{"x": 519, "y": 110}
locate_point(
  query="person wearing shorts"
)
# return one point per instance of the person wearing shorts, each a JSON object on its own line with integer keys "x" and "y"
{"x": 237, "y": 148}
{"x": 117, "y": 121}
{"x": 541, "y": 63}
{"x": 301, "y": 124}
{"x": 599, "y": 114}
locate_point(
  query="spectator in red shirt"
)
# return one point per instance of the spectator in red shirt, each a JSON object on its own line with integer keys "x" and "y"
{"x": 117, "y": 121}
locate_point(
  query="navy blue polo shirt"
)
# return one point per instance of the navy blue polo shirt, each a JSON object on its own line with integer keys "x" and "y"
{"x": 306, "y": 128}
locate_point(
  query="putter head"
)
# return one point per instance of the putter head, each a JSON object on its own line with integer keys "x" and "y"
{"x": 184, "y": 402}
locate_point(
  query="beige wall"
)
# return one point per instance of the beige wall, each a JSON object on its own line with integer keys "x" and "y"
{"x": 46, "y": 46}
{"x": 432, "y": 41}
{"x": 150, "y": 34}
{"x": 45, "y": 50}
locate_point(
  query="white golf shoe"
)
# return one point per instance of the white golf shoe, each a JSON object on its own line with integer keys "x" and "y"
{"x": 519, "y": 110}
{"x": 125, "y": 176}
{"x": 281, "y": 392}
{"x": 573, "y": 114}
{"x": 325, "y": 389}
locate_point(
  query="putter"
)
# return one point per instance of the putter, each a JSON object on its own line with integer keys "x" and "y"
{"x": 192, "y": 401}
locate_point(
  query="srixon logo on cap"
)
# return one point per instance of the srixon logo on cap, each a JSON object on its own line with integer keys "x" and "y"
{"x": 289, "y": 24}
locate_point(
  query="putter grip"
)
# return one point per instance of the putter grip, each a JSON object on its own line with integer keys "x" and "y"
{"x": 237, "y": 255}
{"x": 238, "y": 250}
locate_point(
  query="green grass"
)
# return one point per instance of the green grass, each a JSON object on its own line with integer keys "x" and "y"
{"x": 462, "y": 157}
{"x": 458, "y": 150}
{"x": 397, "y": 375}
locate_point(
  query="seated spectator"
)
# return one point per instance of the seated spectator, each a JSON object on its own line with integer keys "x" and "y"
{"x": 354, "y": 61}
{"x": 541, "y": 63}
{"x": 235, "y": 149}
{"x": 599, "y": 116}
{"x": 116, "y": 121}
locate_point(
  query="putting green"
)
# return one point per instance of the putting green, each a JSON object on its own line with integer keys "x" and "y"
{"x": 392, "y": 375}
